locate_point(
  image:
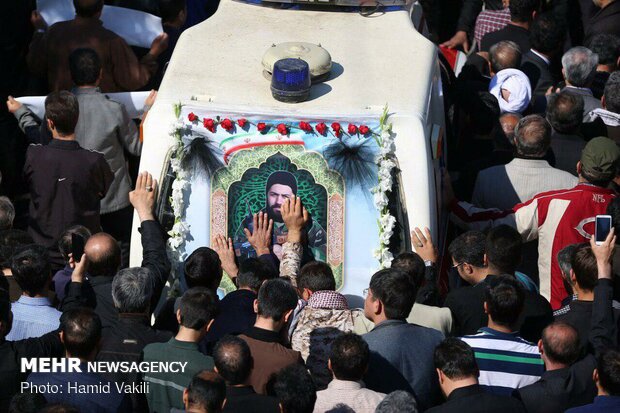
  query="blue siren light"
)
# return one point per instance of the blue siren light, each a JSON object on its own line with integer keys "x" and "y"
{"x": 290, "y": 81}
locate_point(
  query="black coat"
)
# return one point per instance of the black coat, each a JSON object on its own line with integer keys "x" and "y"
{"x": 604, "y": 21}
{"x": 473, "y": 399}
{"x": 539, "y": 73}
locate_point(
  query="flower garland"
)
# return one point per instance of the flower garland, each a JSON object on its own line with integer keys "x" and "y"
{"x": 386, "y": 163}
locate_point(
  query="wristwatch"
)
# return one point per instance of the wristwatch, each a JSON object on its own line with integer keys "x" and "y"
{"x": 428, "y": 263}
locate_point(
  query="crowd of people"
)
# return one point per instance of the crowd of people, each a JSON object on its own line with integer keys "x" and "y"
{"x": 525, "y": 319}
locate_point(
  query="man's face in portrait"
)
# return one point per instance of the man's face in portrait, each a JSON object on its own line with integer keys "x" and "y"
{"x": 276, "y": 195}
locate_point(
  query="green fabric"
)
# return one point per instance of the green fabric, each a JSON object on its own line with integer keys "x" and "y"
{"x": 600, "y": 157}
{"x": 166, "y": 389}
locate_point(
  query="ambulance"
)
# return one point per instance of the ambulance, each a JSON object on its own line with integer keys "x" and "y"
{"x": 374, "y": 77}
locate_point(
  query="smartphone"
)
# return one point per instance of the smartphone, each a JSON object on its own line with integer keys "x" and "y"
{"x": 77, "y": 247}
{"x": 603, "y": 226}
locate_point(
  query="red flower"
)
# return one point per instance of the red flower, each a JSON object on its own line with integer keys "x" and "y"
{"x": 283, "y": 129}
{"x": 364, "y": 130}
{"x": 305, "y": 126}
{"x": 352, "y": 129}
{"x": 227, "y": 124}
{"x": 192, "y": 117}
{"x": 242, "y": 122}
{"x": 321, "y": 128}
{"x": 261, "y": 126}
{"x": 336, "y": 128}
{"x": 209, "y": 124}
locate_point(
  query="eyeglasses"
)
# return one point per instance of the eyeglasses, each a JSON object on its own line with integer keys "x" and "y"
{"x": 458, "y": 265}
{"x": 365, "y": 292}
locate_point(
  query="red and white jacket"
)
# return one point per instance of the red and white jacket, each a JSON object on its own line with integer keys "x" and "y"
{"x": 557, "y": 218}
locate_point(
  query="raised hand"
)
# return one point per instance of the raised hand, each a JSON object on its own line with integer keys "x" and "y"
{"x": 295, "y": 217}
{"x": 260, "y": 239}
{"x": 226, "y": 252}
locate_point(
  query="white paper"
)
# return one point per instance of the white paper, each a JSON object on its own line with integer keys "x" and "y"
{"x": 133, "y": 101}
{"x": 136, "y": 27}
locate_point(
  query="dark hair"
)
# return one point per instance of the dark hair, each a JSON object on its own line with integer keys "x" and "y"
{"x": 7, "y": 213}
{"x": 613, "y": 209}
{"x": 253, "y": 272}
{"x": 546, "y": 33}
{"x": 295, "y": 389}
{"x": 170, "y": 9}
{"x": 11, "y": 241}
{"x": 560, "y": 342}
{"x": 522, "y": 10}
{"x": 5, "y": 306}
{"x": 275, "y": 298}
{"x": 484, "y": 112}
{"x": 316, "y": 276}
{"x": 59, "y": 408}
{"x": 62, "y": 108}
{"x": 107, "y": 260}
{"x": 565, "y": 112}
{"x": 349, "y": 357}
{"x": 505, "y": 55}
{"x": 397, "y": 402}
{"x": 612, "y": 92}
{"x": 282, "y": 178}
{"x": 233, "y": 359}
{"x": 533, "y": 136}
{"x": 65, "y": 241}
{"x": 203, "y": 268}
{"x": 608, "y": 367}
{"x": 393, "y": 288}
{"x": 81, "y": 328}
{"x": 585, "y": 268}
{"x": 505, "y": 298}
{"x": 411, "y": 264}
{"x": 27, "y": 403}
{"x": 87, "y": 8}
{"x": 207, "y": 390}
{"x": 607, "y": 47}
{"x": 31, "y": 269}
{"x": 456, "y": 359}
{"x": 469, "y": 248}
{"x": 85, "y": 66}
{"x": 504, "y": 247}
{"x": 198, "y": 307}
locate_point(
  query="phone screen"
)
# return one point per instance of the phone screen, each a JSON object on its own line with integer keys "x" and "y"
{"x": 603, "y": 226}
{"x": 77, "y": 247}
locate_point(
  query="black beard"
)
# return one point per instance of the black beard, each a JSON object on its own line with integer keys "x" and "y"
{"x": 276, "y": 216}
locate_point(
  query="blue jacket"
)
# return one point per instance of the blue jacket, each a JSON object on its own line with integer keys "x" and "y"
{"x": 602, "y": 404}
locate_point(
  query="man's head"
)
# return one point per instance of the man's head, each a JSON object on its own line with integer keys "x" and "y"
{"x": 88, "y": 8}
{"x": 467, "y": 252}
{"x": 504, "y": 55}
{"x": 12, "y": 241}
{"x": 481, "y": 110}
{"x": 6, "y": 316}
{"x": 173, "y": 12}
{"x": 611, "y": 95}
{"x": 584, "y": 271}
{"x": 503, "y": 301}
{"x": 411, "y": 264}
{"x": 348, "y": 359}
{"x": 103, "y": 254}
{"x": 579, "y": 66}
{"x": 315, "y": 276}
{"x": 396, "y": 402}
{"x": 295, "y": 390}
{"x": 85, "y": 67}
{"x": 565, "y": 112}
{"x": 508, "y": 122}
{"x": 62, "y": 112}
{"x": 565, "y": 257}
{"x": 390, "y": 296}
{"x": 599, "y": 161}
{"x": 233, "y": 360}
{"x": 80, "y": 332}
{"x": 547, "y": 34}
{"x": 455, "y": 362}
{"x": 281, "y": 185}
{"x": 203, "y": 268}
{"x": 132, "y": 289}
{"x": 503, "y": 249}
{"x": 607, "y": 47}
{"x": 7, "y": 213}
{"x": 522, "y": 11}
{"x": 607, "y": 373}
{"x": 206, "y": 393}
{"x": 276, "y": 300}
{"x": 31, "y": 270}
{"x": 532, "y": 136}
{"x": 559, "y": 344}
{"x": 197, "y": 309}
{"x": 27, "y": 403}
{"x": 252, "y": 273}
{"x": 65, "y": 241}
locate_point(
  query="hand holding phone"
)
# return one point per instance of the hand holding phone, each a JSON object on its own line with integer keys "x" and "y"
{"x": 77, "y": 247}
{"x": 602, "y": 228}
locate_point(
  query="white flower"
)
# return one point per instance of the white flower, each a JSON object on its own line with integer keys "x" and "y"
{"x": 180, "y": 228}
{"x": 387, "y": 222}
{"x": 386, "y": 258}
{"x": 175, "y": 242}
{"x": 381, "y": 200}
{"x": 384, "y": 238}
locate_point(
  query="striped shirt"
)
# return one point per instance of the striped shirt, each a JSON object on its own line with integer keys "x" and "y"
{"x": 505, "y": 360}
{"x": 489, "y": 21}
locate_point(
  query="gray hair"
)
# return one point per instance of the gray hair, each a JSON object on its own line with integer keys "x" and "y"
{"x": 396, "y": 402}
{"x": 132, "y": 289}
{"x": 579, "y": 64}
{"x": 7, "y": 213}
{"x": 505, "y": 55}
{"x": 533, "y": 136}
{"x": 564, "y": 260}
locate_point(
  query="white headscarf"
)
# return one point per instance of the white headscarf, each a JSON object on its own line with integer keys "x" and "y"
{"x": 517, "y": 84}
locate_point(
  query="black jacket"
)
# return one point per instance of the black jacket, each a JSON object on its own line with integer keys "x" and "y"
{"x": 245, "y": 400}
{"x": 473, "y": 399}
{"x": 541, "y": 78}
{"x": 470, "y": 11}
{"x": 511, "y": 32}
{"x": 97, "y": 291}
{"x": 604, "y": 21}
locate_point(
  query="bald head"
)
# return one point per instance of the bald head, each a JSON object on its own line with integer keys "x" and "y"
{"x": 233, "y": 360}
{"x": 103, "y": 254}
{"x": 88, "y": 8}
{"x": 504, "y": 55}
{"x": 509, "y": 123}
{"x": 560, "y": 342}
{"x": 533, "y": 136}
